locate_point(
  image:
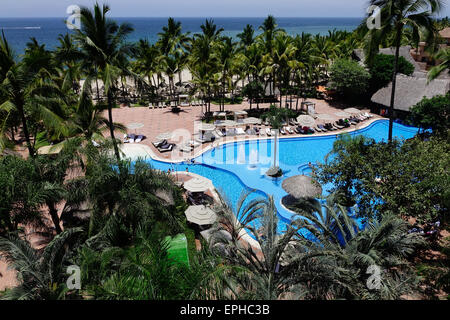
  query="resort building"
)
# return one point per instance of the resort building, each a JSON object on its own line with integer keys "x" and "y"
{"x": 409, "y": 92}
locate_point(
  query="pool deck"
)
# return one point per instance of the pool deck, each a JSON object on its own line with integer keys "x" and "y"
{"x": 161, "y": 120}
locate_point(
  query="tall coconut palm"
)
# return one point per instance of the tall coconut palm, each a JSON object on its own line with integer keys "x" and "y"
{"x": 102, "y": 42}
{"x": 396, "y": 16}
{"x": 172, "y": 42}
{"x": 247, "y": 37}
{"x": 28, "y": 88}
{"x": 225, "y": 56}
{"x": 203, "y": 64}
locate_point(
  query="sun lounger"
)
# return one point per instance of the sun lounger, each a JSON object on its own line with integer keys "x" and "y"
{"x": 158, "y": 144}
{"x": 316, "y": 127}
{"x": 166, "y": 148}
{"x": 322, "y": 127}
{"x": 219, "y": 133}
{"x": 289, "y": 130}
{"x": 268, "y": 132}
{"x": 186, "y": 148}
{"x": 338, "y": 126}
{"x": 131, "y": 138}
{"x": 367, "y": 115}
{"x": 139, "y": 138}
{"x": 240, "y": 132}
{"x": 282, "y": 131}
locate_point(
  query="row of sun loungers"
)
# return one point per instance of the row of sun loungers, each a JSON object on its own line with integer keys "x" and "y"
{"x": 193, "y": 103}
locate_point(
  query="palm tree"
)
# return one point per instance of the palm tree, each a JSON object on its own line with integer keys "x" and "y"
{"x": 68, "y": 57}
{"x": 102, "y": 43}
{"x": 226, "y": 56}
{"x": 28, "y": 88}
{"x": 203, "y": 64}
{"x": 247, "y": 37}
{"x": 172, "y": 43}
{"x": 444, "y": 56}
{"x": 41, "y": 274}
{"x": 336, "y": 254}
{"x": 262, "y": 276}
{"x": 396, "y": 16}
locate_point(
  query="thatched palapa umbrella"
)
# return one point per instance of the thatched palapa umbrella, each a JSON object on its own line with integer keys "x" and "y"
{"x": 302, "y": 187}
{"x": 306, "y": 121}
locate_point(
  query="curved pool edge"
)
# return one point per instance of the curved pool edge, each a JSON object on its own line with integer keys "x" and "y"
{"x": 357, "y": 129}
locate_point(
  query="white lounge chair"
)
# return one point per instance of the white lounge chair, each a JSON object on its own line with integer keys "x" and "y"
{"x": 289, "y": 129}
{"x": 139, "y": 138}
{"x": 269, "y": 132}
{"x": 240, "y": 131}
{"x": 186, "y": 148}
{"x": 282, "y": 131}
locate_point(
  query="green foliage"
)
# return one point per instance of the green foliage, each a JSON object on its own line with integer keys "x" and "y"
{"x": 432, "y": 113}
{"x": 381, "y": 70}
{"x": 348, "y": 78}
{"x": 409, "y": 179}
{"x": 42, "y": 273}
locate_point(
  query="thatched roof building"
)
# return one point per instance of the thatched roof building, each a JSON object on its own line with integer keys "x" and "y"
{"x": 410, "y": 91}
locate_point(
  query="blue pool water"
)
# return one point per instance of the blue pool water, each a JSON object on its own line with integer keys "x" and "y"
{"x": 240, "y": 166}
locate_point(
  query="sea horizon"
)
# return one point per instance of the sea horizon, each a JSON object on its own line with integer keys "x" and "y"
{"x": 47, "y": 29}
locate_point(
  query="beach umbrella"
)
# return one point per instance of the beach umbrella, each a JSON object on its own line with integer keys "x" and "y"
{"x": 226, "y": 123}
{"x": 325, "y": 117}
{"x": 199, "y": 184}
{"x": 206, "y": 127}
{"x": 252, "y": 120}
{"x": 135, "y": 126}
{"x": 306, "y": 121}
{"x": 352, "y": 111}
{"x": 342, "y": 114}
{"x": 164, "y": 136}
{"x": 200, "y": 215}
{"x": 302, "y": 187}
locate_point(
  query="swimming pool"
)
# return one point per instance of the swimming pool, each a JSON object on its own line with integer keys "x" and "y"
{"x": 237, "y": 167}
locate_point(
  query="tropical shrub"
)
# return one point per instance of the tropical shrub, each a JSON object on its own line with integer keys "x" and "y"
{"x": 349, "y": 78}
{"x": 381, "y": 69}
{"x": 409, "y": 179}
{"x": 432, "y": 113}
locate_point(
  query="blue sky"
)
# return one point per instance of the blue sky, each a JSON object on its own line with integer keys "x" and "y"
{"x": 195, "y": 8}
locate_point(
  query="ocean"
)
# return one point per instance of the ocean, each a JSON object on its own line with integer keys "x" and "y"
{"x": 46, "y": 30}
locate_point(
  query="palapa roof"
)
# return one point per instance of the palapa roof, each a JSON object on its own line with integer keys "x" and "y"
{"x": 445, "y": 33}
{"x": 410, "y": 91}
{"x": 302, "y": 187}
